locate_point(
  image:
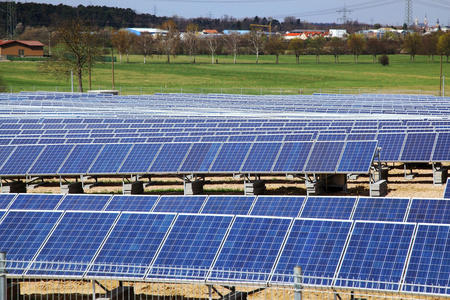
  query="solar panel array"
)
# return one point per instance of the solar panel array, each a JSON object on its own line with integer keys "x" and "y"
{"x": 364, "y": 249}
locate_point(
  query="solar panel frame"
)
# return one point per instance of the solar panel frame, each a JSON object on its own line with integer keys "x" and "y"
{"x": 36, "y": 201}
{"x": 200, "y": 157}
{"x": 180, "y": 204}
{"x": 169, "y": 158}
{"x": 381, "y": 209}
{"x": 50, "y": 160}
{"x": 84, "y": 202}
{"x": 134, "y": 163}
{"x": 132, "y": 203}
{"x": 228, "y": 204}
{"x": 110, "y": 159}
{"x": 236, "y": 152}
{"x": 429, "y": 210}
{"x": 6, "y": 200}
{"x": 80, "y": 159}
{"x": 357, "y": 157}
{"x": 323, "y": 207}
{"x": 331, "y": 150}
{"x": 21, "y": 160}
{"x": 277, "y": 206}
{"x": 418, "y": 147}
{"x": 261, "y": 157}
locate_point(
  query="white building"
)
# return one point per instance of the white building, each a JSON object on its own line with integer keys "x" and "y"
{"x": 340, "y": 33}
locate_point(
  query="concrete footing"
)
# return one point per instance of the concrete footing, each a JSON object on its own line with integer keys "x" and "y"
{"x": 255, "y": 187}
{"x": 193, "y": 187}
{"x": 378, "y": 188}
{"x": 72, "y": 188}
{"x": 133, "y": 188}
{"x": 440, "y": 176}
{"x": 14, "y": 187}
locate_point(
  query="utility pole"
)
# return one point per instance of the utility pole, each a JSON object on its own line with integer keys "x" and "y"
{"x": 344, "y": 12}
{"x": 408, "y": 14}
{"x": 10, "y": 18}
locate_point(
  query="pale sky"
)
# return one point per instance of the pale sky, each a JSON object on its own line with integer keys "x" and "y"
{"x": 391, "y": 12}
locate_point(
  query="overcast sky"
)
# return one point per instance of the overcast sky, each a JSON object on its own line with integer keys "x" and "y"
{"x": 391, "y": 12}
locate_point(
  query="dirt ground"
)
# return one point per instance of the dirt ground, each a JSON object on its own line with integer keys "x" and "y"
{"x": 398, "y": 186}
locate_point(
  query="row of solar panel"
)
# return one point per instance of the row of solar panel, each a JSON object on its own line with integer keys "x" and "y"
{"x": 293, "y": 157}
{"x": 336, "y": 208}
{"x": 373, "y": 255}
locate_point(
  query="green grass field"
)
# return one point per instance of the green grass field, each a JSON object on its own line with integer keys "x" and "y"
{"x": 246, "y": 77}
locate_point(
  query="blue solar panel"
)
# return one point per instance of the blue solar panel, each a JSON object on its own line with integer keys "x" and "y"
{"x": 50, "y": 159}
{"x": 376, "y": 255}
{"x": 36, "y": 201}
{"x": 134, "y": 240}
{"x": 5, "y": 152}
{"x": 110, "y": 158}
{"x": 429, "y": 265}
{"x": 316, "y": 246}
{"x": 76, "y": 239}
{"x": 429, "y": 211}
{"x": 261, "y": 157}
{"x": 132, "y": 203}
{"x": 193, "y": 242}
{"x": 170, "y": 158}
{"x": 229, "y": 205}
{"x": 381, "y": 209}
{"x": 331, "y": 150}
{"x": 21, "y": 160}
{"x": 331, "y": 137}
{"x": 292, "y": 157}
{"x": 84, "y": 202}
{"x": 5, "y": 200}
{"x": 277, "y": 206}
{"x": 338, "y": 208}
{"x": 140, "y": 158}
{"x": 447, "y": 189}
{"x": 180, "y": 204}
{"x": 357, "y": 157}
{"x": 230, "y": 157}
{"x": 23, "y": 232}
{"x": 391, "y": 145}
{"x": 418, "y": 147}
{"x": 252, "y": 245}
{"x": 200, "y": 157}
{"x": 80, "y": 159}
{"x": 442, "y": 150}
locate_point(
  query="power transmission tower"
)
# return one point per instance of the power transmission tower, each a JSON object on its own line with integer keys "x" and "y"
{"x": 10, "y": 18}
{"x": 408, "y": 14}
{"x": 344, "y": 18}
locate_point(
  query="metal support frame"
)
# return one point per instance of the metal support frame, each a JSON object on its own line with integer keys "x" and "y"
{"x": 298, "y": 283}
{"x": 190, "y": 178}
{"x": 3, "y": 286}
{"x": 411, "y": 174}
{"x": 32, "y": 183}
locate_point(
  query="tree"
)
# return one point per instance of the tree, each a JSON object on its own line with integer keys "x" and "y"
{"x": 374, "y": 47}
{"x": 212, "y": 43}
{"x": 170, "y": 41}
{"x": 443, "y": 45}
{"x": 255, "y": 38}
{"x": 275, "y": 45}
{"x": 297, "y": 46}
{"x": 337, "y": 47}
{"x": 144, "y": 44}
{"x": 77, "y": 48}
{"x": 232, "y": 42}
{"x": 191, "y": 41}
{"x": 122, "y": 41}
{"x": 316, "y": 46}
{"x": 412, "y": 45}
{"x": 429, "y": 45}
{"x": 356, "y": 44}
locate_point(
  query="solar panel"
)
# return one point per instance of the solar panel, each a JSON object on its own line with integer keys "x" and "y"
{"x": 180, "y": 204}
{"x": 447, "y": 189}
{"x": 170, "y": 158}
{"x": 277, "y": 206}
{"x": 230, "y": 157}
{"x": 442, "y": 150}
{"x": 292, "y": 157}
{"x": 418, "y": 147}
{"x": 261, "y": 157}
{"x": 429, "y": 211}
{"x": 316, "y": 162}
{"x": 200, "y": 157}
{"x": 80, "y": 159}
{"x": 21, "y": 160}
{"x": 376, "y": 255}
{"x": 428, "y": 267}
{"x": 357, "y": 157}
{"x": 230, "y": 205}
{"x": 84, "y": 202}
{"x": 252, "y": 245}
{"x": 51, "y": 159}
{"x": 391, "y": 145}
{"x": 36, "y": 201}
{"x": 5, "y": 200}
{"x": 193, "y": 243}
{"x": 337, "y": 208}
{"x": 316, "y": 246}
{"x": 110, "y": 158}
{"x": 381, "y": 209}
{"x": 134, "y": 240}
{"x": 140, "y": 158}
{"x": 132, "y": 203}
{"x": 23, "y": 232}
{"x": 76, "y": 239}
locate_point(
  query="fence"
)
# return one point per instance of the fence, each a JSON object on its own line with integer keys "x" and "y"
{"x": 148, "y": 90}
{"x": 51, "y": 280}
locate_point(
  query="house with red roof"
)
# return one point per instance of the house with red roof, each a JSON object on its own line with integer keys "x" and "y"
{"x": 21, "y": 48}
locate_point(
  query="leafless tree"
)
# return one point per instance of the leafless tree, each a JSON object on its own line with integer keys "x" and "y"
{"x": 170, "y": 41}
{"x": 256, "y": 39}
{"x": 232, "y": 42}
{"x": 297, "y": 46}
{"x": 144, "y": 44}
{"x": 212, "y": 42}
{"x": 122, "y": 41}
{"x": 191, "y": 41}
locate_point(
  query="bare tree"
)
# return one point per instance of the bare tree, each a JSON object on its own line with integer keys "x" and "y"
{"x": 374, "y": 47}
{"x": 170, "y": 41}
{"x": 337, "y": 47}
{"x": 297, "y": 46}
{"x": 412, "y": 44}
{"x": 144, "y": 44}
{"x": 122, "y": 41}
{"x": 316, "y": 45}
{"x": 212, "y": 42}
{"x": 77, "y": 48}
{"x": 275, "y": 45}
{"x": 430, "y": 42}
{"x": 232, "y": 43}
{"x": 256, "y": 39}
{"x": 191, "y": 41}
{"x": 356, "y": 44}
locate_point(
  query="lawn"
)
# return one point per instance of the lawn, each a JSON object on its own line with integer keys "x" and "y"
{"x": 244, "y": 77}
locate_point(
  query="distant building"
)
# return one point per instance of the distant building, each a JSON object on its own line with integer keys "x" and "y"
{"x": 304, "y": 34}
{"x": 139, "y": 31}
{"x": 21, "y": 48}
{"x": 210, "y": 31}
{"x": 236, "y": 31}
{"x": 340, "y": 33}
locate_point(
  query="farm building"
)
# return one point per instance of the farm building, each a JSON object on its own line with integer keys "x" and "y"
{"x": 21, "y": 48}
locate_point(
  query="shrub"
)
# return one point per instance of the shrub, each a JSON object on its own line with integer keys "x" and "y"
{"x": 384, "y": 60}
